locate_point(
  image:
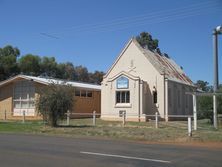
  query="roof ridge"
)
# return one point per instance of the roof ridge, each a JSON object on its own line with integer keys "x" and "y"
{"x": 64, "y": 80}
{"x": 159, "y": 63}
{"x": 46, "y": 81}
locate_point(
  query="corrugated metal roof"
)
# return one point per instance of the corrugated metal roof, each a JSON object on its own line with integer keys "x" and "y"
{"x": 165, "y": 66}
{"x": 48, "y": 81}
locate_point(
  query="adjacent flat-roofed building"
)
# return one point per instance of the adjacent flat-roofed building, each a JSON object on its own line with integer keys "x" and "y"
{"x": 19, "y": 93}
{"x": 141, "y": 82}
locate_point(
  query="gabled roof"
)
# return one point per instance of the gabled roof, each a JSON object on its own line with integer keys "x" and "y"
{"x": 165, "y": 66}
{"x": 47, "y": 81}
{"x": 120, "y": 55}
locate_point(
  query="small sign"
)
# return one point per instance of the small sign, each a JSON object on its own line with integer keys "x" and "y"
{"x": 122, "y": 83}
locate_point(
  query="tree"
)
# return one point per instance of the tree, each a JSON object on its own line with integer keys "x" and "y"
{"x": 81, "y": 74}
{"x": 34, "y": 65}
{"x": 96, "y": 77}
{"x": 8, "y": 62}
{"x": 30, "y": 64}
{"x": 205, "y": 103}
{"x": 203, "y": 85}
{"x": 54, "y": 101}
{"x": 205, "y": 107}
{"x": 146, "y": 41}
{"x": 65, "y": 71}
{"x": 48, "y": 66}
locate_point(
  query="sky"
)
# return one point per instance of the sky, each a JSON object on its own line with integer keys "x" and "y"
{"x": 92, "y": 33}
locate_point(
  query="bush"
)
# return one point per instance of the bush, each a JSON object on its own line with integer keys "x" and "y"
{"x": 54, "y": 101}
{"x": 205, "y": 107}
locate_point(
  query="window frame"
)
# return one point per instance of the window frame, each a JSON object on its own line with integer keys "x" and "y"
{"x": 20, "y": 89}
{"x": 121, "y": 100}
{"x": 83, "y": 93}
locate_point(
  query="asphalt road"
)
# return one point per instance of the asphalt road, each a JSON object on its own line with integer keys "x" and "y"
{"x": 18, "y": 150}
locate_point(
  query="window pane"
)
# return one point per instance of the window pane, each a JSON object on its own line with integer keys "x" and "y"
{"x": 89, "y": 94}
{"x": 117, "y": 97}
{"x": 127, "y": 97}
{"x": 32, "y": 95}
{"x": 77, "y": 93}
{"x": 31, "y": 104}
{"x": 16, "y": 96}
{"x": 17, "y": 104}
{"x": 22, "y": 91}
{"x": 24, "y": 95}
{"x": 83, "y": 93}
{"x": 25, "y": 104}
{"x": 123, "y": 99}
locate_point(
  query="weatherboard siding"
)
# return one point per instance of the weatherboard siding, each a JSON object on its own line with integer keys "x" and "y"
{"x": 87, "y": 104}
{"x": 81, "y": 105}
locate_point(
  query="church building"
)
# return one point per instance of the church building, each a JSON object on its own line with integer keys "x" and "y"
{"x": 141, "y": 82}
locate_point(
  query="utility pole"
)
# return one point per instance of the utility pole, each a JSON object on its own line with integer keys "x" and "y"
{"x": 216, "y": 32}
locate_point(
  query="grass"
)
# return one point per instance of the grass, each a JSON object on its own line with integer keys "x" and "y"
{"x": 19, "y": 127}
{"x": 144, "y": 131}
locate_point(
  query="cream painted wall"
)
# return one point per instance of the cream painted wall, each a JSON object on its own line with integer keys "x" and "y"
{"x": 135, "y": 65}
{"x": 133, "y": 62}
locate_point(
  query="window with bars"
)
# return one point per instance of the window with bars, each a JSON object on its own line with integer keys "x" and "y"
{"x": 122, "y": 96}
{"x": 24, "y": 95}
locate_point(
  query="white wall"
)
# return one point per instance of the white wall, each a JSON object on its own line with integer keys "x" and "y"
{"x": 134, "y": 63}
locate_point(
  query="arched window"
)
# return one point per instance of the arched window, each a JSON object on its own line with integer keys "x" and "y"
{"x": 154, "y": 95}
{"x": 122, "y": 92}
{"x": 122, "y": 83}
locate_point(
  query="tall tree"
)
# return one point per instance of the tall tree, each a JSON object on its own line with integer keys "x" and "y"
{"x": 30, "y": 64}
{"x": 8, "y": 61}
{"x": 96, "y": 77}
{"x": 81, "y": 74}
{"x": 146, "y": 41}
{"x": 48, "y": 66}
{"x": 203, "y": 85}
{"x": 35, "y": 65}
{"x": 65, "y": 71}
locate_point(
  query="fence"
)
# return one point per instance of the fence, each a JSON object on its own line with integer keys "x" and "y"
{"x": 5, "y": 116}
{"x": 93, "y": 119}
{"x": 186, "y": 123}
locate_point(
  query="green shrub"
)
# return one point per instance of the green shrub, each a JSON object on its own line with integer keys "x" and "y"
{"x": 54, "y": 101}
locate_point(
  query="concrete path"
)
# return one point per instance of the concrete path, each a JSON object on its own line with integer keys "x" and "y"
{"x": 47, "y": 151}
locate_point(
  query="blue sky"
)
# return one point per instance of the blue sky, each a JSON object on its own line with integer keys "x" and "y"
{"x": 93, "y": 32}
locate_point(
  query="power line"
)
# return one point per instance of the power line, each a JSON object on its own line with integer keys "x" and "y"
{"x": 49, "y": 35}
{"x": 140, "y": 17}
{"x": 150, "y": 18}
